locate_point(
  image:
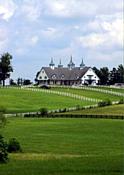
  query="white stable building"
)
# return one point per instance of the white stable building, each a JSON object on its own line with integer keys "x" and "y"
{"x": 69, "y": 75}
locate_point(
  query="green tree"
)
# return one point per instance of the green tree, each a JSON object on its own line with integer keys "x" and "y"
{"x": 104, "y": 75}
{"x": 27, "y": 82}
{"x": 3, "y": 144}
{"x": 11, "y": 82}
{"x": 121, "y": 73}
{"x": 19, "y": 81}
{"x": 5, "y": 66}
{"x": 114, "y": 76}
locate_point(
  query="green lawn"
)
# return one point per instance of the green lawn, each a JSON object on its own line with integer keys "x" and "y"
{"x": 108, "y": 110}
{"x": 89, "y": 93}
{"x": 65, "y": 147}
{"x": 19, "y": 100}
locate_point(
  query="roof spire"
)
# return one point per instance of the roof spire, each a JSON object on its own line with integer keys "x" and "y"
{"x": 52, "y": 64}
{"x": 60, "y": 64}
{"x": 82, "y": 65}
{"x": 71, "y": 64}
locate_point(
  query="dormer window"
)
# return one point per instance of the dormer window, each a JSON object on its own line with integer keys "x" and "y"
{"x": 63, "y": 76}
{"x": 54, "y": 76}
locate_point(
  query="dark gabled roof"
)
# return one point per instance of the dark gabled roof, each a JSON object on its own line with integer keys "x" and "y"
{"x": 64, "y": 73}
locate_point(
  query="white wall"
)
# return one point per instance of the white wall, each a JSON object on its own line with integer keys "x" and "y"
{"x": 92, "y": 74}
{"x": 43, "y": 75}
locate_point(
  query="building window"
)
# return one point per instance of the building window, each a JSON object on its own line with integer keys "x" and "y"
{"x": 62, "y": 76}
{"x": 54, "y": 76}
{"x": 45, "y": 77}
{"x": 40, "y": 77}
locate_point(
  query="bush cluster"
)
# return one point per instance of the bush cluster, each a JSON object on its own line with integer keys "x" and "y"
{"x": 107, "y": 102}
{"x": 121, "y": 101}
{"x": 43, "y": 111}
{"x": 2, "y": 117}
{"x": 14, "y": 146}
{"x": 3, "y": 150}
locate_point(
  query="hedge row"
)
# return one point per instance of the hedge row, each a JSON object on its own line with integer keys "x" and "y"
{"x": 75, "y": 116}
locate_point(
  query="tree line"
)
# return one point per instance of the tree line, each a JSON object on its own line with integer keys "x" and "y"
{"x": 107, "y": 77}
{"x": 110, "y": 77}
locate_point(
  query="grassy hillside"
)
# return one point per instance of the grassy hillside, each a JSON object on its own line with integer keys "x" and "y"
{"x": 108, "y": 110}
{"x": 19, "y": 100}
{"x": 65, "y": 147}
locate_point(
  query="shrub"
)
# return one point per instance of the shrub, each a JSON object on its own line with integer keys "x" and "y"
{"x": 14, "y": 146}
{"x": 2, "y": 109}
{"x": 64, "y": 110}
{"x": 43, "y": 111}
{"x": 108, "y": 102}
{"x": 104, "y": 103}
{"x": 2, "y": 117}
{"x": 77, "y": 107}
{"x": 121, "y": 101}
{"x": 3, "y": 150}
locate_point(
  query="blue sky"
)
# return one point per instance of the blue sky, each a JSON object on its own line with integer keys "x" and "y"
{"x": 33, "y": 31}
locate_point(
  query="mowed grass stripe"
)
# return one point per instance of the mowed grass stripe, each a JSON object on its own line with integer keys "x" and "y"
{"x": 40, "y": 156}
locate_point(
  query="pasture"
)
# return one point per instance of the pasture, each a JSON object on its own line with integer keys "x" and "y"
{"x": 65, "y": 147}
{"x": 24, "y": 100}
{"x": 21, "y": 100}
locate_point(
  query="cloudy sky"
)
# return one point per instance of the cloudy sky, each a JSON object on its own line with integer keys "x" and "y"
{"x": 33, "y": 31}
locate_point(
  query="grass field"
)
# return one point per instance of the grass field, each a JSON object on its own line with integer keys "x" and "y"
{"x": 21, "y": 100}
{"x": 108, "y": 110}
{"x": 65, "y": 147}
{"x": 18, "y": 100}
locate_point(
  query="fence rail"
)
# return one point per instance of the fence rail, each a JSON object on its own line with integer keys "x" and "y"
{"x": 94, "y": 89}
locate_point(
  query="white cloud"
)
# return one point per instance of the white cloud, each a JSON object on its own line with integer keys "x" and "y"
{"x": 105, "y": 34}
{"x": 49, "y": 32}
{"x": 67, "y": 8}
{"x": 3, "y": 38}
{"x": 92, "y": 40}
{"x": 7, "y": 9}
{"x": 34, "y": 40}
{"x": 31, "y": 10}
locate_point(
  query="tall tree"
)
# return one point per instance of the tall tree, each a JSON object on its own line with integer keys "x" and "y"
{"x": 5, "y": 66}
{"x": 121, "y": 73}
{"x": 114, "y": 76}
{"x": 104, "y": 75}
